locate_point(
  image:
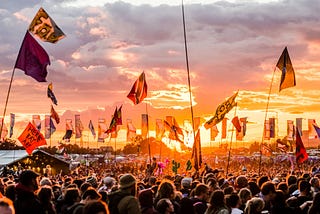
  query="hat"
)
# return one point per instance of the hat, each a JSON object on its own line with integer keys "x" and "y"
{"x": 127, "y": 180}
{"x": 92, "y": 180}
{"x": 26, "y": 176}
{"x": 108, "y": 180}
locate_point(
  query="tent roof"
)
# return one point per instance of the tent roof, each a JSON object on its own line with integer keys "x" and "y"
{"x": 9, "y": 156}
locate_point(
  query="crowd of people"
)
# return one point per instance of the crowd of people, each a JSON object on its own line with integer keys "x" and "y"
{"x": 124, "y": 188}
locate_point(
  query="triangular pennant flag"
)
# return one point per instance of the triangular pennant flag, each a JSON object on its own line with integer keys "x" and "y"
{"x": 45, "y": 28}
{"x": 33, "y": 59}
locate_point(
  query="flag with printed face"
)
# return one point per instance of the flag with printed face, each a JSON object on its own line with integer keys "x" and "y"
{"x": 221, "y": 111}
{"x": 288, "y": 78}
{"x": 91, "y": 127}
{"x": 131, "y": 131}
{"x": 139, "y": 90}
{"x": 159, "y": 129}
{"x": 102, "y": 128}
{"x": 33, "y": 59}
{"x": 144, "y": 125}
{"x": 12, "y": 121}
{"x": 78, "y": 126}
{"x": 175, "y": 132}
{"x": 49, "y": 127}
{"x": 45, "y": 28}
{"x": 312, "y": 132}
{"x": 36, "y": 121}
{"x": 214, "y": 132}
{"x": 301, "y": 152}
{"x": 31, "y": 138}
{"x": 54, "y": 115}
{"x": 69, "y": 130}
{"x": 4, "y": 130}
{"x": 51, "y": 95}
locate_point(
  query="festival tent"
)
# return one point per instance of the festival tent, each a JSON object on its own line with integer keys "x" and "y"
{"x": 39, "y": 161}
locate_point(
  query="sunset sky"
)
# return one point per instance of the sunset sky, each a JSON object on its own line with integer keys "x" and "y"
{"x": 232, "y": 45}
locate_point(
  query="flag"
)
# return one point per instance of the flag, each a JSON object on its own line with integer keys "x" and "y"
{"x": 4, "y": 130}
{"x": 91, "y": 127}
{"x": 266, "y": 132}
{"x": 49, "y": 127}
{"x": 221, "y": 111}
{"x": 301, "y": 152}
{"x": 196, "y": 152}
{"x": 36, "y": 121}
{"x": 12, "y": 121}
{"x": 175, "y": 132}
{"x": 224, "y": 128}
{"x": 31, "y": 138}
{"x": 159, "y": 129}
{"x": 78, "y": 126}
{"x": 102, "y": 128}
{"x": 299, "y": 124}
{"x": 243, "y": 128}
{"x": 196, "y": 123}
{"x": 139, "y": 90}
{"x": 272, "y": 124}
{"x": 236, "y": 123}
{"x": 69, "y": 130}
{"x": 55, "y": 115}
{"x": 312, "y": 132}
{"x": 144, "y": 125}
{"x": 317, "y": 129}
{"x": 50, "y": 94}
{"x": 131, "y": 131}
{"x": 290, "y": 130}
{"x": 214, "y": 132}
{"x": 288, "y": 78}
{"x": 45, "y": 28}
{"x": 116, "y": 120}
{"x": 33, "y": 59}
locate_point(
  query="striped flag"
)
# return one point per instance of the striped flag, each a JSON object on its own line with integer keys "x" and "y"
{"x": 139, "y": 90}
{"x": 45, "y": 28}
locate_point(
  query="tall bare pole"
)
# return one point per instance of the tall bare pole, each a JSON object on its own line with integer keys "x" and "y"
{"x": 188, "y": 69}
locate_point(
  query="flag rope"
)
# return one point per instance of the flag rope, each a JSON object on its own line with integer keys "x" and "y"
{"x": 264, "y": 121}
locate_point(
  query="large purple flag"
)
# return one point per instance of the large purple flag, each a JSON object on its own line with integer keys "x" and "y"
{"x": 33, "y": 59}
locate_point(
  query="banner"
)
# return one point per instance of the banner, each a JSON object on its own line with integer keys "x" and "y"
{"x": 159, "y": 129}
{"x": 299, "y": 125}
{"x": 144, "y": 125}
{"x": 4, "y": 129}
{"x": 49, "y": 127}
{"x": 311, "y": 131}
{"x": 12, "y": 121}
{"x": 214, "y": 132}
{"x": 224, "y": 128}
{"x": 131, "y": 131}
{"x": 272, "y": 124}
{"x": 102, "y": 128}
{"x": 78, "y": 126}
{"x": 266, "y": 132}
{"x": 290, "y": 130}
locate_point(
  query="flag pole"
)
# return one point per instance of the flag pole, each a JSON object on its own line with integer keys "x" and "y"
{"x": 264, "y": 121}
{"x": 7, "y": 99}
{"x": 188, "y": 70}
{"x": 229, "y": 153}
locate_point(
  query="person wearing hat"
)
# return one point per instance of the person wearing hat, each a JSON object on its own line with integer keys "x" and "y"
{"x": 27, "y": 201}
{"x": 124, "y": 201}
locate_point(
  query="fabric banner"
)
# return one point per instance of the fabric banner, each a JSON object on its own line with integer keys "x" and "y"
{"x": 12, "y": 121}
{"x": 69, "y": 130}
{"x": 49, "y": 127}
{"x": 290, "y": 130}
{"x": 54, "y": 115}
{"x": 175, "y": 132}
{"x": 224, "y": 128}
{"x": 36, "y": 121}
{"x": 144, "y": 126}
{"x": 51, "y": 95}
{"x": 102, "y": 128}
{"x": 266, "y": 132}
{"x": 131, "y": 131}
{"x": 159, "y": 129}
{"x": 272, "y": 124}
{"x": 91, "y": 127}
{"x": 78, "y": 126}
{"x": 311, "y": 131}
{"x": 301, "y": 152}
{"x": 4, "y": 131}
{"x": 214, "y": 132}
{"x": 299, "y": 124}
{"x": 31, "y": 138}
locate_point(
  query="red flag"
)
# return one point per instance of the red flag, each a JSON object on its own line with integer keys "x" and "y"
{"x": 54, "y": 115}
{"x": 301, "y": 152}
{"x": 144, "y": 125}
{"x": 224, "y": 128}
{"x": 31, "y": 138}
{"x": 174, "y": 130}
{"x": 33, "y": 59}
{"x": 235, "y": 121}
{"x": 196, "y": 152}
{"x": 139, "y": 90}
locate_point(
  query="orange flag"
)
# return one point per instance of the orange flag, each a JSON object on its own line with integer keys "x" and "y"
{"x": 31, "y": 138}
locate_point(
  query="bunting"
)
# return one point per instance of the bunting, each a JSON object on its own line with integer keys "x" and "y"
{"x": 31, "y": 138}
{"x": 45, "y": 28}
{"x": 288, "y": 78}
{"x": 221, "y": 111}
{"x": 51, "y": 95}
{"x": 33, "y": 59}
{"x": 139, "y": 90}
